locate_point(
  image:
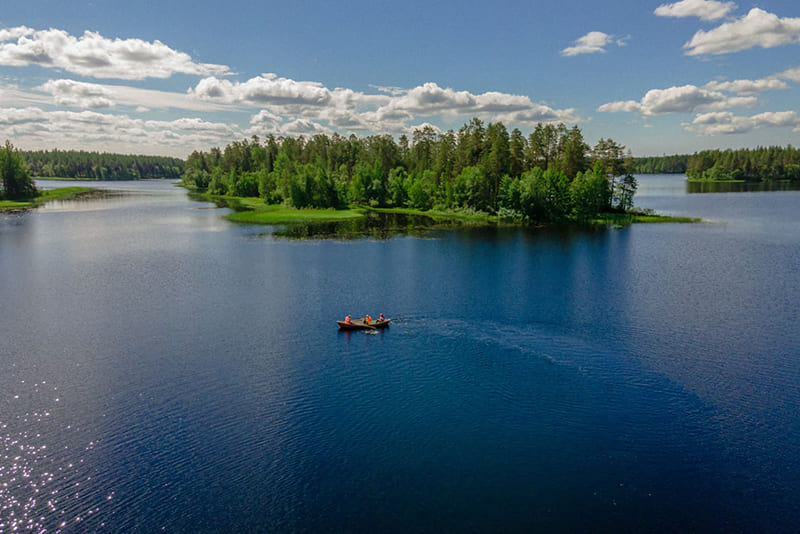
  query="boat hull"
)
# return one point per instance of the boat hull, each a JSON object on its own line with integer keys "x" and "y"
{"x": 360, "y": 324}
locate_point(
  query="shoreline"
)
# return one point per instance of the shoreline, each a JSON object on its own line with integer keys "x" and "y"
{"x": 252, "y": 210}
{"x": 62, "y": 193}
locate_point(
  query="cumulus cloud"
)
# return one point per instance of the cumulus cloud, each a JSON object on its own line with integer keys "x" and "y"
{"x": 8, "y": 34}
{"x": 265, "y": 120}
{"x": 283, "y": 100}
{"x": 592, "y": 43}
{"x": 266, "y": 89}
{"x": 540, "y": 113}
{"x": 757, "y": 28}
{"x": 96, "y": 56}
{"x": 79, "y": 129}
{"x": 727, "y": 123}
{"x": 430, "y": 99}
{"x": 704, "y": 9}
{"x": 684, "y": 99}
{"x": 78, "y": 94}
{"x": 303, "y": 127}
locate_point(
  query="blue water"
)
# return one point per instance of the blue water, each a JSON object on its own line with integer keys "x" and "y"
{"x": 164, "y": 370}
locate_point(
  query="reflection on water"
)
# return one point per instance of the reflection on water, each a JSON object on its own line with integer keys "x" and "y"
{"x": 46, "y": 484}
{"x": 741, "y": 187}
{"x": 374, "y": 224}
{"x": 378, "y": 225}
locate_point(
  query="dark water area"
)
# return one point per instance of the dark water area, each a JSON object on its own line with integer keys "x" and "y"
{"x": 742, "y": 187}
{"x": 165, "y": 370}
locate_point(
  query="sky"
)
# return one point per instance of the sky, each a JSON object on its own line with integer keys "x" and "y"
{"x": 169, "y": 77}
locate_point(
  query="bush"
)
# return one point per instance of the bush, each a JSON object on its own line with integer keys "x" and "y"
{"x": 14, "y": 175}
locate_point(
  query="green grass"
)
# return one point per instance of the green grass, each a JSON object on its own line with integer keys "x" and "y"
{"x": 622, "y": 219}
{"x": 275, "y": 214}
{"x": 252, "y": 210}
{"x": 63, "y": 193}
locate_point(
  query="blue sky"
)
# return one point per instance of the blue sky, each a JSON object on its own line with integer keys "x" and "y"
{"x": 169, "y": 77}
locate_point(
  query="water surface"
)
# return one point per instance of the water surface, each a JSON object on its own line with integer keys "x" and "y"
{"x": 164, "y": 369}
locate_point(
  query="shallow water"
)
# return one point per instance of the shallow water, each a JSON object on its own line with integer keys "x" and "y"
{"x": 164, "y": 369}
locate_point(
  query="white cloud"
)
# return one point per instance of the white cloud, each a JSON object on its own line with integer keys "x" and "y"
{"x": 392, "y": 90}
{"x": 592, "y": 43}
{"x": 15, "y": 33}
{"x": 757, "y": 28}
{"x": 78, "y": 94}
{"x": 684, "y": 99}
{"x": 704, "y": 9}
{"x": 727, "y": 123}
{"x": 13, "y": 96}
{"x": 429, "y": 99}
{"x": 36, "y": 128}
{"x": 748, "y": 87}
{"x": 265, "y": 120}
{"x": 303, "y": 127}
{"x": 791, "y": 74}
{"x": 96, "y": 56}
{"x": 266, "y": 89}
{"x": 283, "y": 100}
{"x": 540, "y": 113}
{"x": 72, "y": 93}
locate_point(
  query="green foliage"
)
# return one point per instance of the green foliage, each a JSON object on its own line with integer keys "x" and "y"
{"x": 760, "y": 164}
{"x": 623, "y": 191}
{"x": 102, "y": 166}
{"x": 15, "y": 179}
{"x": 590, "y": 193}
{"x": 479, "y": 169}
{"x": 675, "y": 164}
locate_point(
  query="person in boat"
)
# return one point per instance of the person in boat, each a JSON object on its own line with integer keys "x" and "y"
{"x": 368, "y": 319}
{"x": 381, "y": 318}
{"x": 347, "y": 320}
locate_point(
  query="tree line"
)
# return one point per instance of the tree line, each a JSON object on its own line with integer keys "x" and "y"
{"x": 552, "y": 174}
{"x": 675, "y": 164}
{"x": 100, "y": 165}
{"x": 758, "y": 164}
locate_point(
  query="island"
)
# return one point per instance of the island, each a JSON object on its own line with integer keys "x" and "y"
{"x": 482, "y": 174}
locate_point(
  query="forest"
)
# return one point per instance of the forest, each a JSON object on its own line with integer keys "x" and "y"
{"x": 100, "y": 166}
{"x": 550, "y": 175}
{"x": 752, "y": 165}
{"x": 675, "y": 164}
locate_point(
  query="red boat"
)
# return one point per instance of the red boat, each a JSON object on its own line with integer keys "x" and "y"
{"x": 361, "y": 324}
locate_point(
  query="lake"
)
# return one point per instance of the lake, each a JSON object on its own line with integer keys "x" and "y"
{"x": 166, "y": 370}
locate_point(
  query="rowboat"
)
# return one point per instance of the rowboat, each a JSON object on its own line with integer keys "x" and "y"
{"x": 361, "y": 324}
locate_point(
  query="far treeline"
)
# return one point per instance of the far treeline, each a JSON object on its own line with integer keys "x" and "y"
{"x": 752, "y": 165}
{"x": 550, "y": 175}
{"x": 100, "y": 166}
{"x": 661, "y": 164}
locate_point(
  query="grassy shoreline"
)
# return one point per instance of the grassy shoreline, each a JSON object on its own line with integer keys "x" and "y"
{"x": 62, "y": 193}
{"x": 249, "y": 210}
